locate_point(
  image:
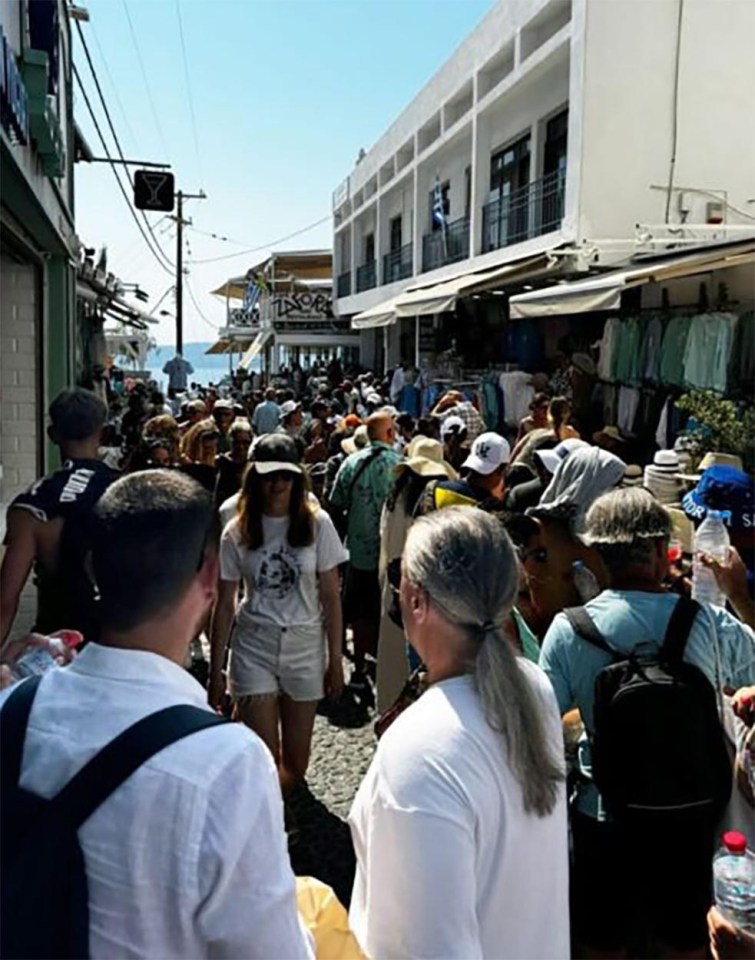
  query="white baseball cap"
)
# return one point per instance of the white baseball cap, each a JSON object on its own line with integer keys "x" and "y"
{"x": 489, "y": 452}
{"x": 452, "y": 424}
{"x": 551, "y": 459}
{"x": 288, "y": 408}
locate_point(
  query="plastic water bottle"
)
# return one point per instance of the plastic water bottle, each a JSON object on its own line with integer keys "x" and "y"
{"x": 585, "y": 581}
{"x": 36, "y": 660}
{"x": 712, "y": 538}
{"x": 734, "y": 881}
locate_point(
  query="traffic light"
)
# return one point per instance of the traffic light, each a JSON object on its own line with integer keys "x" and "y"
{"x": 154, "y": 190}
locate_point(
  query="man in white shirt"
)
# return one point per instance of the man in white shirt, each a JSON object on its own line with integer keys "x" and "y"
{"x": 188, "y": 857}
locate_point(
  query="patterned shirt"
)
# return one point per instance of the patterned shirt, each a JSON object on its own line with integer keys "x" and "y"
{"x": 362, "y": 497}
{"x": 472, "y": 420}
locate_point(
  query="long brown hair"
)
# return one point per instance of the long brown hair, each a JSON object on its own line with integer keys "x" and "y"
{"x": 301, "y": 530}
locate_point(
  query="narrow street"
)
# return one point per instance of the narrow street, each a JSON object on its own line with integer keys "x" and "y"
{"x": 320, "y": 841}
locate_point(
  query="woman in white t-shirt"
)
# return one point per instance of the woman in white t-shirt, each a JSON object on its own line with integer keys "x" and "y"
{"x": 286, "y": 641}
{"x": 460, "y": 825}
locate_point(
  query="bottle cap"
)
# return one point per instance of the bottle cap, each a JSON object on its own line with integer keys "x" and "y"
{"x": 734, "y": 841}
{"x": 71, "y": 638}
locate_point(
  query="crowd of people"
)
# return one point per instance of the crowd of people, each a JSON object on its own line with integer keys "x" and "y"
{"x": 493, "y": 599}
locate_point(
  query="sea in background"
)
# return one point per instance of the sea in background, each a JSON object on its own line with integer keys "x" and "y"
{"x": 207, "y": 369}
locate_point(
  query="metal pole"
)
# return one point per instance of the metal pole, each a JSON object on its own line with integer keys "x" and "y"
{"x": 179, "y": 275}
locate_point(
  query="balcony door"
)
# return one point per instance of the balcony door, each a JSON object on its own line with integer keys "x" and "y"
{"x": 369, "y": 248}
{"x": 509, "y": 180}
{"x": 395, "y": 231}
{"x": 554, "y": 171}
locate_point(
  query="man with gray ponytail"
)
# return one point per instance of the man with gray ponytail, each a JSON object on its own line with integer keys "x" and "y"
{"x": 460, "y": 824}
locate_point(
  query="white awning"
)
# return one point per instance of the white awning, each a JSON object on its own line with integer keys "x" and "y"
{"x": 604, "y": 292}
{"x": 441, "y": 297}
{"x": 381, "y": 315}
{"x": 418, "y": 300}
{"x": 256, "y": 347}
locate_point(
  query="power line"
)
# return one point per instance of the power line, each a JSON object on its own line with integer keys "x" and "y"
{"x": 115, "y": 171}
{"x": 117, "y": 141}
{"x": 217, "y": 236}
{"x": 209, "y": 323}
{"x": 265, "y": 246}
{"x": 188, "y": 87}
{"x": 150, "y": 97}
{"x": 103, "y": 61}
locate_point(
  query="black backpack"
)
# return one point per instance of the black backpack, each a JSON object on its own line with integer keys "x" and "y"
{"x": 658, "y": 746}
{"x": 44, "y": 902}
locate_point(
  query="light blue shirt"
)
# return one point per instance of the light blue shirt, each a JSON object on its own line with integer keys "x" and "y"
{"x": 266, "y": 417}
{"x": 718, "y": 644}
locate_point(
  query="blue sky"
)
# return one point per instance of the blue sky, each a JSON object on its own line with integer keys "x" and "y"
{"x": 285, "y": 92}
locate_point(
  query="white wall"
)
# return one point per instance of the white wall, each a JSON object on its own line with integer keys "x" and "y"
{"x": 627, "y": 110}
{"x": 398, "y": 202}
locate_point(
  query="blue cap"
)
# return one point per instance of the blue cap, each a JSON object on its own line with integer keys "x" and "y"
{"x": 727, "y": 490}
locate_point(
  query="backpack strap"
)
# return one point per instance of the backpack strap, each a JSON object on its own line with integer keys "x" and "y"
{"x": 678, "y": 629}
{"x": 14, "y": 719}
{"x": 115, "y": 763}
{"x": 584, "y": 626}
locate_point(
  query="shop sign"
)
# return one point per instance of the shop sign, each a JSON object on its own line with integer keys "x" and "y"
{"x": 14, "y": 101}
{"x": 302, "y": 306}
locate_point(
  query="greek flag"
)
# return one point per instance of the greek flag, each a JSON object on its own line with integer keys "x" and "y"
{"x": 251, "y": 296}
{"x": 439, "y": 217}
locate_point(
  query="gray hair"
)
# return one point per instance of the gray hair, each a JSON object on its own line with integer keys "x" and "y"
{"x": 624, "y": 526}
{"x": 464, "y": 559}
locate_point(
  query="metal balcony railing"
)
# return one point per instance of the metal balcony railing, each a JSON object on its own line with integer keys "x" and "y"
{"x": 397, "y": 265}
{"x": 366, "y": 276}
{"x": 446, "y": 246}
{"x": 343, "y": 284}
{"x": 532, "y": 210}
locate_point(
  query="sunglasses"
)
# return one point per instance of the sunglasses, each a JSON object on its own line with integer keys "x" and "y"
{"x": 278, "y": 476}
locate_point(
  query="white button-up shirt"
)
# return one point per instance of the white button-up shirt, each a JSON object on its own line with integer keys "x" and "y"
{"x": 188, "y": 857}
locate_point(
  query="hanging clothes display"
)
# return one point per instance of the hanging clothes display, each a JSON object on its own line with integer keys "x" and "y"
{"x": 517, "y": 396}
{"x": 741, "y": 370}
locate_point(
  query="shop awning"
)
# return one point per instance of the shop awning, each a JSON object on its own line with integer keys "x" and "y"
{"x": 441, "y": 297}
{"x": 256, "y": 347}
{"x": 604, "y": 292}
{"x": 381, "y": 315}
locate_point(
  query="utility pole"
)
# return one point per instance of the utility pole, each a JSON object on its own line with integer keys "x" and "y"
{"x": 180, "y": 224}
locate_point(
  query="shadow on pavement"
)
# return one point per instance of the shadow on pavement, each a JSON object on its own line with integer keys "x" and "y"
{"x": 319, "y": 844}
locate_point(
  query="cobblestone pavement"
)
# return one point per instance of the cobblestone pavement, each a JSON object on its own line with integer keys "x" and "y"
{"x": 320, "y": 841}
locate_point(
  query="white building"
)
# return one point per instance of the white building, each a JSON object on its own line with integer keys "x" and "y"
{"x": 554, "y": 130}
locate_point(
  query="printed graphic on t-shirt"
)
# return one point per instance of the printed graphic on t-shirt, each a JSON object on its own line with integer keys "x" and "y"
{"x": 279, "y": 573}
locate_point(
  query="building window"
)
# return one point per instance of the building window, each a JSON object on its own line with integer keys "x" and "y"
{"x": 554, "y": 157}
{"x": 395, "y": 233}
{"x": 369, "y": 248}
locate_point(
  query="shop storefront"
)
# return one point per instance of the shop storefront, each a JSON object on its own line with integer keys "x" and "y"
{"x": 38, "y": 245}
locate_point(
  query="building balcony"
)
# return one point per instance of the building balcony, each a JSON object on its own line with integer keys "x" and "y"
{"x": 367, "y": 276}
{"x": 446, "y": 246}
{"x": 343, "y": 284}
{"x": 531, "y": 211}
{"x": 397, "y": 265}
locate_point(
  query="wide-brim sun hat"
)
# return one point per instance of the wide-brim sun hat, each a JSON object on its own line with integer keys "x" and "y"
{"x": 275, "y": 452}
{"x": 424, "y": 456}
{"x": 713, "y": 460}
{"x": 609, "y": 433}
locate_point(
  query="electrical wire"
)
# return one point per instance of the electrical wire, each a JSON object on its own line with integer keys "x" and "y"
{"x": 188, "y": 87}
{"x": 148, "y": 225}
{"x": 150, "y": 97}
{"x": 265, "y": 246}
{"x": 193, "y": 299}
{"x": 217, "y": 236}
{"x": 114, "y": 88}
{"x": 115, "y": 171}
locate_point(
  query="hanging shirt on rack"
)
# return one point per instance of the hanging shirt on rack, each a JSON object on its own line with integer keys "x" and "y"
{"x": 741, "y": 369}
{"x": 651, "y": 349}
{"x": 608, "y": 345}
{"x": 629, "y": 399}
{"x": 673, "y": 351}
{"x": 517, "y": 396}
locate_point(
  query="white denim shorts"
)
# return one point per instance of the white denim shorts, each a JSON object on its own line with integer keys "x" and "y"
{"x": 267, "y": 659}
